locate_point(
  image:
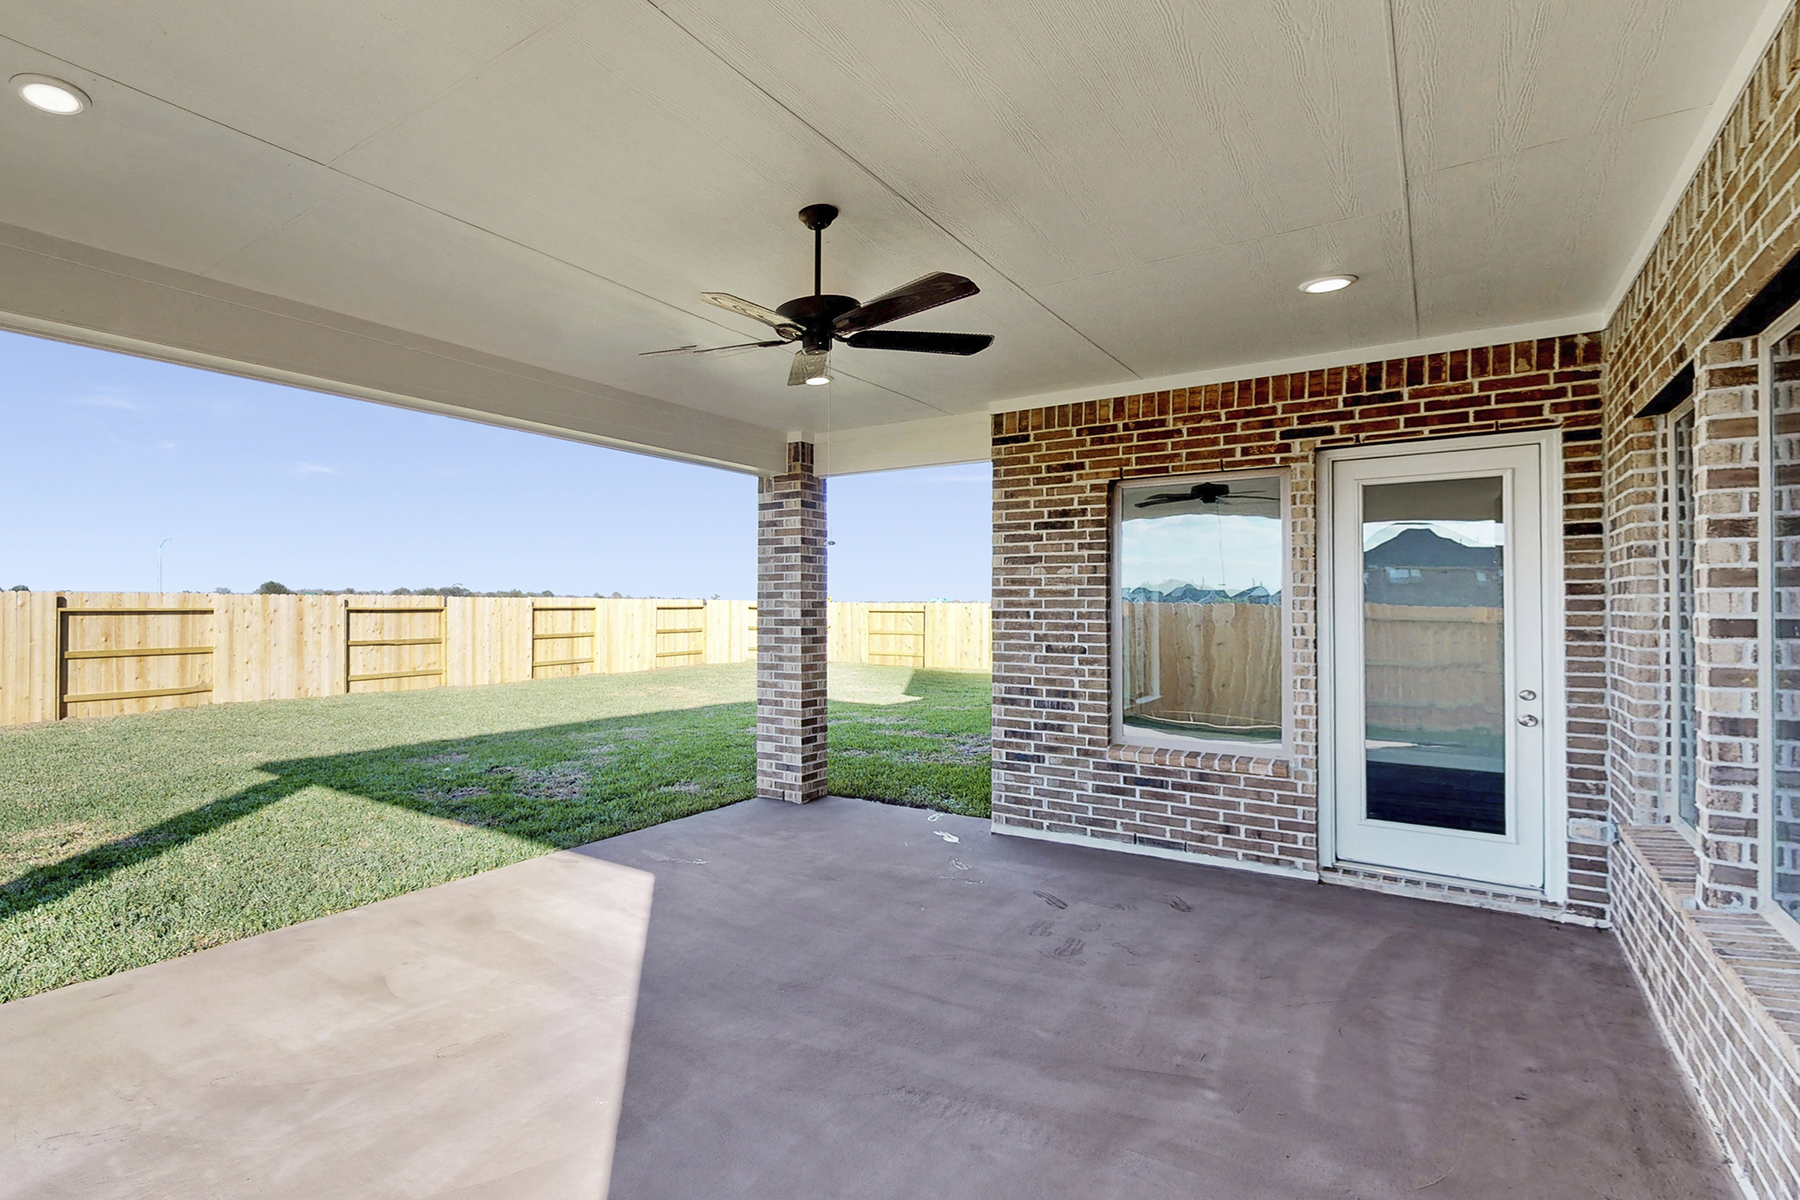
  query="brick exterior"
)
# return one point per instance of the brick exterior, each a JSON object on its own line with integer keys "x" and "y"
{"x": 1706, "y": 971}
{"x": 1725, "y": 989}
{"x": 1639, "y": 622}
{"x": 1727, "y": 623}
{"x": 1055, "y": 768}
{"x": 791, "y": 631}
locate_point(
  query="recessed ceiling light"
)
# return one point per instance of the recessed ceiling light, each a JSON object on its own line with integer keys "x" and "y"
{"x": 1330, "y": 283}
{"x": 816, "y": 380}
{"x": 51, "y": 95}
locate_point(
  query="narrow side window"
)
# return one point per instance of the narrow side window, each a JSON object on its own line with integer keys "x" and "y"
{"x": 1684, "y": 731}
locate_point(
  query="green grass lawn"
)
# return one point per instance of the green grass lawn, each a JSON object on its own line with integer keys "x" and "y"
{"x": 128, "y": 840}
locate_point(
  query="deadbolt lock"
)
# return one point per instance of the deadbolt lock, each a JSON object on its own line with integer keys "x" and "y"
{"x": 1528, "y": 721}
{"x": 1528, "y": 695}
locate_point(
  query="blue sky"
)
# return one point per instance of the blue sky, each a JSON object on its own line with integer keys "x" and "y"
{"x": 106, "y": 455}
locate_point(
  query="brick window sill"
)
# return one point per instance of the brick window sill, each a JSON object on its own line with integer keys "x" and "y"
{"x": 1200, "y": 760}
{"x": 1765, "y": 964}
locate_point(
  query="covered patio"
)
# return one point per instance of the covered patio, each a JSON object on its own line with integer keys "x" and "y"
{"x": 1394, "y": 415}
{"x": 841, "y": 1000}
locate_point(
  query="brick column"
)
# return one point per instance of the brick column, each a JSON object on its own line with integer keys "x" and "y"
{"x": 1727, "y": 457}
{"x": 790, "y": 631}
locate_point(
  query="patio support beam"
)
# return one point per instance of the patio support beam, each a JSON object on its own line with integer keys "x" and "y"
{"x": 791, "y": 630}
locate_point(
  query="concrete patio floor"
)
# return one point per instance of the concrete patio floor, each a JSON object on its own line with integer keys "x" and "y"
{"x": 850, "y": 999}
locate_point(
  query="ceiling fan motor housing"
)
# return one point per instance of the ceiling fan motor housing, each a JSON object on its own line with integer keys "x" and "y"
{"x": 814, "y": 315}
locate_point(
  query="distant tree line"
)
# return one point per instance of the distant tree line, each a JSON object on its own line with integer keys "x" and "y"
{"x": 273, "y": 588}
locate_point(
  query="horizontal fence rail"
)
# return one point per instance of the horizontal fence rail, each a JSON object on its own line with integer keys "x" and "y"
{"x": 87, "y": 654}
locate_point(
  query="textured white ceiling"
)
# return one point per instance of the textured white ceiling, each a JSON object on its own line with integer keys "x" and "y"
{"x": 1138, "y": 188}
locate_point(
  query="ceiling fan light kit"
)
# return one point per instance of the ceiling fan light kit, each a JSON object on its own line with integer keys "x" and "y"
{"x": 815, "y": 321}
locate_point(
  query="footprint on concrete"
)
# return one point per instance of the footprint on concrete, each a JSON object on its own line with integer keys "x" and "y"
{"x": 959, "y": 864}
{"x": 1041, "y": 928}
{"x": 1070, "y": 948}
{"x": 1179, "y": 905}
{"x": 1052, "y": 901}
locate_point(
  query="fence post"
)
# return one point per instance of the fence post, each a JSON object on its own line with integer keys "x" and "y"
{"x": 59, "y": 685}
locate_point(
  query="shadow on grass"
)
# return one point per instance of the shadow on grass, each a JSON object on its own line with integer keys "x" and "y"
{"x": 557, "y": 786}
{"x": 567, "y": 785}
{"x": 932, "y": 754}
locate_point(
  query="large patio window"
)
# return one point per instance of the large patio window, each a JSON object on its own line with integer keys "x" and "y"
{"x": 1200, "y": 612}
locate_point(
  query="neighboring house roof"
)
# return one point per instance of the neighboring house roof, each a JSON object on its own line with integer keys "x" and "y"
{"x": 1424, "y": 548}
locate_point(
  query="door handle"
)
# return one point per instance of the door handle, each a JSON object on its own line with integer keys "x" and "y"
{"x": 1528, "y": 721}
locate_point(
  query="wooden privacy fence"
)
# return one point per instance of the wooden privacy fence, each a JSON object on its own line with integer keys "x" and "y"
{"x": 1428, "y": 669}
{"x": 1215, "y": 665}
{"x": 955, "y": 637}
{"x": 91, "y": 654}
{"x": 1434, "y": 669}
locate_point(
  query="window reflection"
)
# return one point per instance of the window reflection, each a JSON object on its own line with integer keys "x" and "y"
{"x": 1200, "y": 605}
{"x": 1434, "y": 653}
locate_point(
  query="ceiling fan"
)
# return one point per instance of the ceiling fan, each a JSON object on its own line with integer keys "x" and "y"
{"x": 813, "y": 321}
{"x": 1205, "y": 493}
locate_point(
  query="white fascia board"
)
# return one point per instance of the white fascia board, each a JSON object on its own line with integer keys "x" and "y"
{"x": 1562, "y": 327}
{"x": 70, "y": 292}
{"x": 928, "y": 442}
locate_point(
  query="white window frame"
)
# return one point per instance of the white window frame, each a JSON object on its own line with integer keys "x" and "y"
{"x": 1779, "y": 917}
{"x": 1123, "y": 735}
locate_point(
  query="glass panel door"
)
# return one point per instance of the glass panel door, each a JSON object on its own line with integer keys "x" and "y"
{"x": 1438, "y": 662}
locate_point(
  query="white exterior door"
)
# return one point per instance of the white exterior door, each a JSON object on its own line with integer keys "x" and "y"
{"x": 1439, "y": 721}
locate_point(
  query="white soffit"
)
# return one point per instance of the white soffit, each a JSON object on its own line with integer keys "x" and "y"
{"x": 550, "y": 183}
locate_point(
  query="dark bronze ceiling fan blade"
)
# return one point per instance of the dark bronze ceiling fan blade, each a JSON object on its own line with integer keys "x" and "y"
{"x": 924, "y": 343}
{"x": 743, "y": 346}
{"x": 808, "y": 364}
{"x": 712, "y": 349}
{"x": 756, "y": 312}
{"x": 925, "y": 292}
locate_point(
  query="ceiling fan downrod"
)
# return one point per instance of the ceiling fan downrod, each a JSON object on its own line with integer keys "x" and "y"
{"x": 816, "y": 217}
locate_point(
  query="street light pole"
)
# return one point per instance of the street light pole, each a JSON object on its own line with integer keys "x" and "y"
{"x": 159, "y": 560}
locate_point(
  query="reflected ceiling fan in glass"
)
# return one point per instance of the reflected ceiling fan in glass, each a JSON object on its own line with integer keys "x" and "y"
{"x": 1203, "y": 493}
{"x": 815, "y": 321}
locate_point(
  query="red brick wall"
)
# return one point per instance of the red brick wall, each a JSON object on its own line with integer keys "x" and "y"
{"x": 1720, "y": 979}
{"x": 1056, "y": 769}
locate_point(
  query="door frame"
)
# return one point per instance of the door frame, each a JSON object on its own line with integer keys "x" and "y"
{"x": 1555, "y": 620}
